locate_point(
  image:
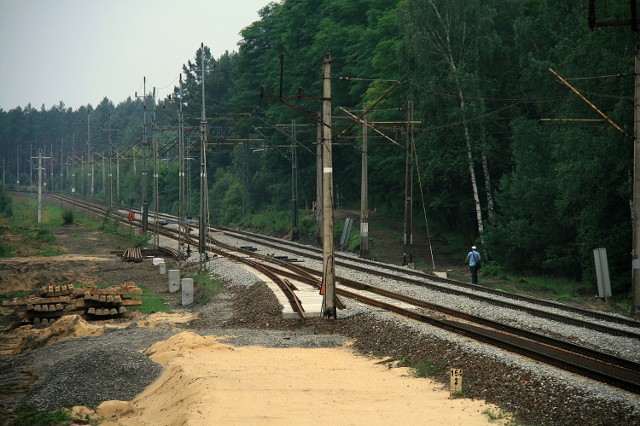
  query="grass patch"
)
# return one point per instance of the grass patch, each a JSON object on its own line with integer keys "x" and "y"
{"x": 15, "y": 295}
{"x": 51, "y": 251}
{"x": 270, "y": 222}
{"x": 423, "y": 368}
{"x": 427, "y": 368}
{"x": 6, "y": 250}
{"x": 45, "y": 236}
{"x": 28, "y": 415}
{"x": 206, "y": 287}
{"x": 151, "y": 302}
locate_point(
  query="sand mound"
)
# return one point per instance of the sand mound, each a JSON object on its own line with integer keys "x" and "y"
{"x": 206, "y": 382}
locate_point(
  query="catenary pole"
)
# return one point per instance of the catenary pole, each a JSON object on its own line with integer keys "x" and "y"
{"x": 635, "y": 306}
{"x": 319, "y": 174}
{"x": 328, "y": 279}
{"x": 364, "y": 195}
{"x": 181, "y": 215}
{"x": 408, "y": 204}
{"x": 294, "y": 184}
{"x": 203, "y": 222}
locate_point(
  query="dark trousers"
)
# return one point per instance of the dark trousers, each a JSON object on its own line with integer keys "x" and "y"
{"x": 474, "y": 274}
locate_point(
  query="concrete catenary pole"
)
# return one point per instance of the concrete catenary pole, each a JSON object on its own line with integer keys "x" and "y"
{"x": 203, "y": 223}
{"x": 295, "y": 232}
{"x": 156, "y": 175}
{"x": 329, "y": 277}
{"x": 40, "y": 186}
{"x": 319, "y": 180}
{"x": 39, "y": 170}
{"x": 635, "y": 306}
{"x": 145, "y": 205}
{"x": 181, "y": 215}
{"x": 364, "y": 195}
{"x": 408, "y": 204}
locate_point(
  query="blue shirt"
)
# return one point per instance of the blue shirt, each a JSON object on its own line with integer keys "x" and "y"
{"x": 473, "y": 257}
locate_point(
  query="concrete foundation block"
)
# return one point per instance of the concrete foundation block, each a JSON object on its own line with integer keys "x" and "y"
{"x": 174, "y": 280}
{"x": 187, "y": 291}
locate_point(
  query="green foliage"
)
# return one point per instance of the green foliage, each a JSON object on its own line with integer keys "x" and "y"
{"x": 206, "y": 287}
{"x": 68, "y": 216}
{"x": 6, "y": 209}
{"x": 276, "y": 222}
{"x": 28, "y": 415}
{"x": 494, "y": 414}
{"x": 151, "y": 302}
{"x": 427, "y": 368}
{"x": 6, "y": 250}
{"x": 45, "y": 236}
{"x": 493, "y": 270}
{"x": 138, "y": 240}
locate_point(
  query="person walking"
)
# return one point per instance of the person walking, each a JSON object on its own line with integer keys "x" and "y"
{"x": 473, "y": 260}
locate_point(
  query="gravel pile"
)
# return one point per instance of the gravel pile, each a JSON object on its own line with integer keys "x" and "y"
{"x": 80, "y": 371}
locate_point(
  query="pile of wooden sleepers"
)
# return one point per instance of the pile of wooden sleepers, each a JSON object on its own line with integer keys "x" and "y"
{"x": 91, "y": 303}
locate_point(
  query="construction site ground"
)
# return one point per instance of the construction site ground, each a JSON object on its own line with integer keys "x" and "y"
{"x": 203, "y": 380}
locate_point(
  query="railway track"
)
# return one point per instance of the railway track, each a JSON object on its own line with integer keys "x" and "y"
{"x": 595, "y": 364}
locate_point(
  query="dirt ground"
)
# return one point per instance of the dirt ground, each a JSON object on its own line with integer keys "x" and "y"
{"x": 206, "y": 382}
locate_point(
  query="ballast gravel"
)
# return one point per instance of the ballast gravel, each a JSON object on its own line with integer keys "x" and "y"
{"x": 89, "y": 370}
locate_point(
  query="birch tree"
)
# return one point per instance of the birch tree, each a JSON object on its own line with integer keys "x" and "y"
{"x": 449, "y": 33}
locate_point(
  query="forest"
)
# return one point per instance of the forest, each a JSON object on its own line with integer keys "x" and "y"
{"x": 506, "y": 154}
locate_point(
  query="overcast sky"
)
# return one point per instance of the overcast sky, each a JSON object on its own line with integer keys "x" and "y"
{"x": 79, "y": 51}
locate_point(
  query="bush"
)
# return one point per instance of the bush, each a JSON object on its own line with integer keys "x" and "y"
{"x": 45, "y": 236}
{"x": 68, "y": 217}
{"x": 5, "y": 204}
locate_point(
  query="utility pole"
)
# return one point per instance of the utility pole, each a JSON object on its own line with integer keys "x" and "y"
{"x": 319, "y": 177}
{"x": 635, "y": 305}
{"x": 18, "y": 165}
{"x": 329, "y": 277}
{"x": 204, "y": 193}
{"x": 62, "y": 165}
{"x": 118, "y": 199}
{"x": 90, "y": 158}
{"x": 145, "y": 206}
{"x": 295, "y": 232}
{"x": 181, "y": 216}
{"x": 364, "y": 195}
{"x": 39, "y": 171}
{"x": 156, "y": 173}
{"x": 109, "y": 130}
{"x": 51, "y": 187}
{"x": 635, "y": 261}
{"x": 408, "y": 191}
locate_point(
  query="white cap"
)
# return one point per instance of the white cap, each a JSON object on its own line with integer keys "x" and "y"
{"x": 473, "y": 247}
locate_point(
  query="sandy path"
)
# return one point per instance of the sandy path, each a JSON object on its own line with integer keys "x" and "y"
{"x": 206, "y": 382}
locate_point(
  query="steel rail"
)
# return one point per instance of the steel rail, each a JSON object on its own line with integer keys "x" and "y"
{"x": 432, "y": 282}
